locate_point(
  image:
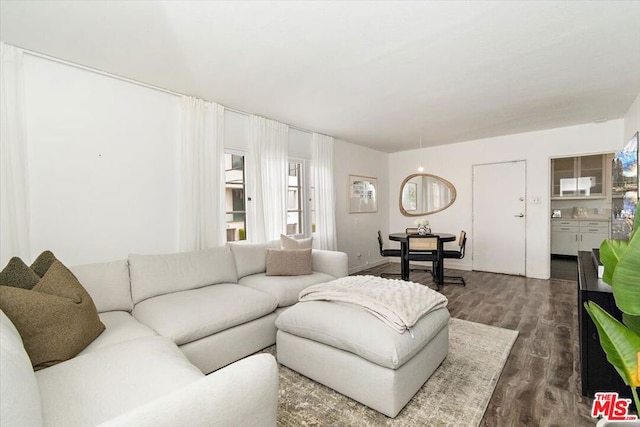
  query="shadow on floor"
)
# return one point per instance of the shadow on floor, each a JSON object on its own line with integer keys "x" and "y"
{"x": 564, "y": 267}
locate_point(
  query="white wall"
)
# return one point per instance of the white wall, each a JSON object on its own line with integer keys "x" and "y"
{"x": 454, "y": 162}
{"x": 102, "y": 164}
{"x": 357, "y": 232}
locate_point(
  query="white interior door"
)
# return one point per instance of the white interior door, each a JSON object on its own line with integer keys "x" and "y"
{"x": 499, "y": 217}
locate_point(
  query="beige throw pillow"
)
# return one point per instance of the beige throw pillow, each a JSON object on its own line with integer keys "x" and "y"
{"x": 290, "y": 243}
{"x": 56, "y": 319}
{"x": 289, "y": 262}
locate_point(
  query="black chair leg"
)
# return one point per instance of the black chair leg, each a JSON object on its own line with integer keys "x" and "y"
{"x": 454, "y": 280}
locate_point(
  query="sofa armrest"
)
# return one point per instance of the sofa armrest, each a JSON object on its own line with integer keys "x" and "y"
{"x": 330, "y": 262}
{"x": 244, "y": 393}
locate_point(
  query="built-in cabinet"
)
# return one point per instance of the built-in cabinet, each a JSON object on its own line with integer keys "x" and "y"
{"x": 579, "y": 177}
{"x": 570, "y": 236}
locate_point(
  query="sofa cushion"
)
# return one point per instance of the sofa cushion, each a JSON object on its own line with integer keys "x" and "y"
{"x": 250, "y": 257}
{"x": 97, "y": 386}
{"x": 190, "y": 315}
{"x": 56, "y": 319}
{"x": 285, "y": 289}
{"x": 107, "y": 283}
{"x": 20, "y": 402}
{"x": 119, "y": 326}
{"x": 353, "y": 329}
{"x": 287, "y": 242}
{"x": 42, "y": 263}
{"x": 288, "y": 262}
{"x": 153, "y": 275}
{"x": 18, "y": 274}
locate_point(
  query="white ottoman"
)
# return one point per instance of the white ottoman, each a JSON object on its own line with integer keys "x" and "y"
{"x": 351, "y": 351}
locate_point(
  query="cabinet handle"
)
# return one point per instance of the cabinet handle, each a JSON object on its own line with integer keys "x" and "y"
{"x": 576, "y": 237}
{"x": 593, "y": 229}
{"x": 581, "y": 237}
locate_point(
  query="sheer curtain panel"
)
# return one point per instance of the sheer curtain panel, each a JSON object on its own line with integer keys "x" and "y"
{"x": 14, "y": 196}
{"x": 202, "y": 207}
{"x": 267, "y": 209}
{"x": 325, "y": 199}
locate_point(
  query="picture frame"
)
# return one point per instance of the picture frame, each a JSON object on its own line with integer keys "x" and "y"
{"x": 362, "y": 193}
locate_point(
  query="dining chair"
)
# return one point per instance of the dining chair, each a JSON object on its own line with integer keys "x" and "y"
{"x": 423, "y": 247}
{"x": 388, "y": 253}
{"x": 459, "y": 254}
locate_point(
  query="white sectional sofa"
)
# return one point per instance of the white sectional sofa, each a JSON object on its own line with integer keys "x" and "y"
{"x": 170, "y": 320}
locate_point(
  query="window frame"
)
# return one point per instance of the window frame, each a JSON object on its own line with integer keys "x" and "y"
{"x": 305, "y": 201}
{"x": 245, "y": 155}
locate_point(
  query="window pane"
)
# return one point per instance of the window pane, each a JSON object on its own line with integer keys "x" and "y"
{"x": 235, "y": 197}
{"x": 294, "y": 200}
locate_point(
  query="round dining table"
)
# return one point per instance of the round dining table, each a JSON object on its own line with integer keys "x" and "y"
{"x": 404, "y": 249}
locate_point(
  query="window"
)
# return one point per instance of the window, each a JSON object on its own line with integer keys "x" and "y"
{"x": 236, "y": 218}
{"x": 295, "y": 199}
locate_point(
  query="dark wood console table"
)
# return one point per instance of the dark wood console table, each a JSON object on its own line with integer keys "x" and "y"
{"x": 596, "y": 372}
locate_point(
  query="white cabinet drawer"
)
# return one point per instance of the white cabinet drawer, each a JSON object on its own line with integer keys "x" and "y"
{"x": 594, "y": 226}
{"x": 572, "y": 228}
{"x": 564, "y": 222}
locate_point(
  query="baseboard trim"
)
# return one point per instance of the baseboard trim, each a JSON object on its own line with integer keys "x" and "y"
{"x": 360, "y": 268}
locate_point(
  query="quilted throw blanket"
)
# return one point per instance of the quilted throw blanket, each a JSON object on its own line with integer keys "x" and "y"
{"x": 398, "y": 303}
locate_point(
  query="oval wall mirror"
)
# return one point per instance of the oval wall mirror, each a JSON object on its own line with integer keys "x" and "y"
{"x": 424, "y": 194}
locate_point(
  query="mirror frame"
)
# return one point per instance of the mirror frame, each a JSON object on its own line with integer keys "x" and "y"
{"x": 449, "y": 185}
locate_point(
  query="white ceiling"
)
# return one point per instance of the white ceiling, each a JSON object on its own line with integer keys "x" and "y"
{"x": 378, "y": 74}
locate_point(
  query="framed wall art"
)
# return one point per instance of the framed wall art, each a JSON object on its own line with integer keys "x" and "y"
{"x": 362, "y": 194}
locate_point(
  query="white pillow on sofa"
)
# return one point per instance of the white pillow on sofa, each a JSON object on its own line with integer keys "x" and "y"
{"x": 290, "y": 243}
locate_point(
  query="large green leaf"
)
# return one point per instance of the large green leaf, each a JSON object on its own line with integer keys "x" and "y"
{"x": 631, "y": 322}
{"x": 620, "y": 343}
{"x": 626, "y": 278}
{"x": 611, "y": 251}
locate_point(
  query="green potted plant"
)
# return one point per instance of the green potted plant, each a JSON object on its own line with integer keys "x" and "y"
{"x": 621, "y": 341}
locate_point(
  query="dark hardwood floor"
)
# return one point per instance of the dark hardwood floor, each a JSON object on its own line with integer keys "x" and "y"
{"x": 540, "y": 383}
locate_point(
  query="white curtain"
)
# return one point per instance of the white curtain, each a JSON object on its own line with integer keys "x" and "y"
{"x": 202, "y": 197}
{"x": 267, "y": 170}
{"x": 325, "y": 196}
{"x": 14, "y": 196}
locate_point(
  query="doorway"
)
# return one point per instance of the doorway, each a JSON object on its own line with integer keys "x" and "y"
{"x": 499, "y": 217}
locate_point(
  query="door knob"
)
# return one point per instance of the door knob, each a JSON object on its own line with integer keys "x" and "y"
{"x": 519, "y": 215}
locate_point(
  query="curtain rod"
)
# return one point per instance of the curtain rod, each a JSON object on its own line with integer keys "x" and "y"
{"x": 138, "y": 83}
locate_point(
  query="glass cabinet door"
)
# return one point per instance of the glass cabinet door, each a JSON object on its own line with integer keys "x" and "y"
{"x": 591, "y": 171}
{"x": 579, "y": 176}
{"x": 564, "y": 174}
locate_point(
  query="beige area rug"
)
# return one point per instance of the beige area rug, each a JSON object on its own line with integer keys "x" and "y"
{"x": 457, "y": 394}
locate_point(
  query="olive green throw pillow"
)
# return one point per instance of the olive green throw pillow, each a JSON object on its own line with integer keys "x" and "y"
{"x": 43, "y": 262}
{"x": 56, "y": 319}
{"x": 18, "y": 274}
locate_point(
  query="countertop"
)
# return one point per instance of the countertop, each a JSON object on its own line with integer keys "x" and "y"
{"x": 582, "y": 219}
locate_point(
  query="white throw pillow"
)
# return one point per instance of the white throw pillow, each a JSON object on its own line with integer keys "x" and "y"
{"x": 290, "y": 243}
